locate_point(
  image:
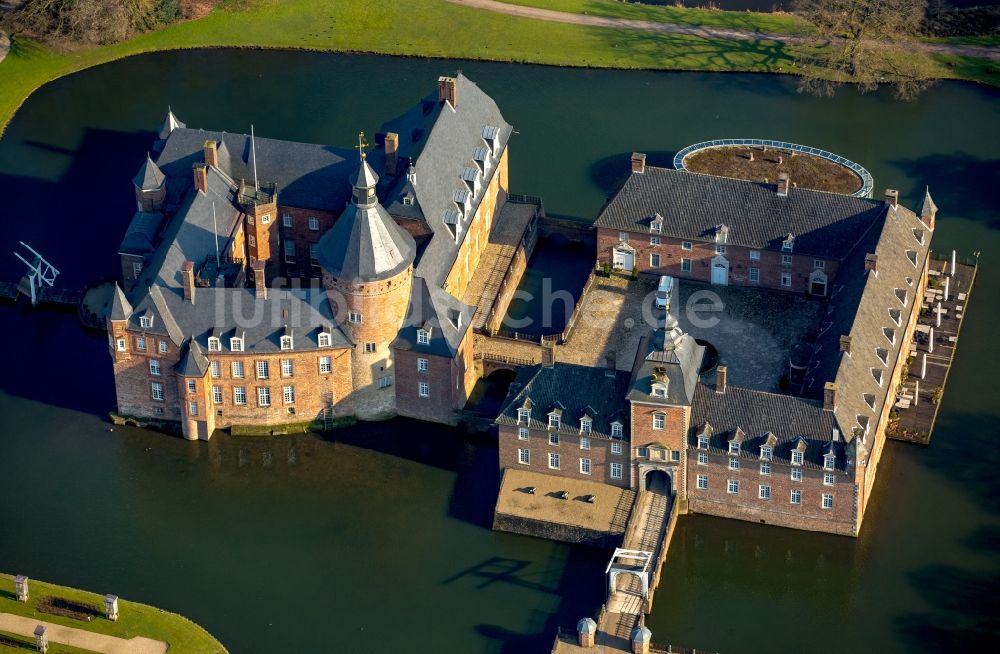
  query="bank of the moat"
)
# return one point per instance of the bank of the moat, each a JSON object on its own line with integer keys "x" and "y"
{"x": 140, "y": 497}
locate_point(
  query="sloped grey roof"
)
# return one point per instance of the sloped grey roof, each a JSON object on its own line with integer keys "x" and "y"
{"x": 193, "y": 363}
{"x": 169, "y": 124}
{"x": 432, "y": 305}
{"x": 757, "y": 413}
{"x": 577, "y": 389}
{"x": 928, "y": 207}
{"x": 679, "y": 358}
{"x": 859, "y": 307}
{"x": 366, "y": 243}
{"x": 441, "y": 141}
{"x": 120, "y": 307}
{"x": 149, "y": 177}
{"x": 693, "y": 205}
{"x": 308, "y": 175}
{"x": 140, "y": 238}
{"x": 224, "y": 310}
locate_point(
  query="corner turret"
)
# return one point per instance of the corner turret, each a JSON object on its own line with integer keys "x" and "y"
{"x": 928, "y": 211}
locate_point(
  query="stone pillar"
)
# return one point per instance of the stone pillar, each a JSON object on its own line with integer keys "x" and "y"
{"x": 916, "y": 392}
{"x": 111, "y": 607}
{"x": 937, "y": 309}
{"x": 953, "y": 268}
{"x": 41, "y": 639}
{"x": 586, "y": 632}
{"x": 641, "y": 637}
{"x": 21, "y": 588}
{"x": 946, "y": 290}
{"x": 930, "y": 341}
{"x": 923, "y": 366}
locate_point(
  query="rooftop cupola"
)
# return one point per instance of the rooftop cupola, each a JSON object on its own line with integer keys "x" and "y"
{"x": 365, "y": 179}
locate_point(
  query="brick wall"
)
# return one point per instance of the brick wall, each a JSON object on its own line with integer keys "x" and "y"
{"x": 671, "y": 252}
{"x": 302, "y": 237}
{"x": 778, "y": 510}
{"x": 133, "y": 379}
{"x": 672, "y": 436}
{"x": 569, "y": 452}
{"x": 128, "y": 270}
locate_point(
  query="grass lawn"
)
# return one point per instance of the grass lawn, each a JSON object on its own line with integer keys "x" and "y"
{"x": 431, "y": 28}
{"x": 779, "y": 23}
{"x": 135, "y": 619}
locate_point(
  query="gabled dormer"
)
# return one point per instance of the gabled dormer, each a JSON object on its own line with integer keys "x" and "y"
{"x": 587, "y": 420}
{"x": 237, "y": 342}
{"x": 660, "y": 383}
{"x": 656, "y": 224}
{"x": 524, "y": 412}
{"x": 798, "y": 451}
{"x": 286, "y": 340}
{"x": 736, "y": 441}
{"x": 705, "y": 435}
{"x": 829, "y": 456}
{"x": 788, "y": 244}
{"x": 324, "y": 338}
{"x": 617, "y": 427}
{"x": 146, "y": 320}
{"x": 721, "y": 234}
{"x": 424, "y": 333}
{"x": 555, "y": 415}
{"x": 767, "y": 446}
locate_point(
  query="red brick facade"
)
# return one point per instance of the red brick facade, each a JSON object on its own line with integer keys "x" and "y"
{"x": 600, "y": 455}
{"x": 449, "y": 382}
{"x": 672, "y": 253}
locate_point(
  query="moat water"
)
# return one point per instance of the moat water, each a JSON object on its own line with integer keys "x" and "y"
{"x": 379, "y": 541}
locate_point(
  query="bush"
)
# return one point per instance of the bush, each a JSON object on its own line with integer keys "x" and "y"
{"x": 91, "y": 21}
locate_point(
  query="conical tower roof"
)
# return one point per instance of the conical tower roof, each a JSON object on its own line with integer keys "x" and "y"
{"x": 121, "y": 309}
{"x": 928, "y": 208}
{"x": 170, "y": 123}
{"x": 366, "y": 244}
{"x": 149, "y": 177}
{"x": 194, "y": 363}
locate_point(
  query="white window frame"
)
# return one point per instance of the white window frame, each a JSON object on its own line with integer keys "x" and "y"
{"x": 734, "y": 447}
{"x": 286, "y": 342}
{"x": 754, "y": 255}
{"x": 424, "y": 389}
{"x": 236, "y": 344}
{"x": 238, "y": 370}
{"x": 765, "y": 468}
{"x": 584, "y": 466}
{"x": 145, "y": 322}
{"x": 287, "y": 368}
{"x": 524, "y": 456}
{"x": 289, "y": 249}
{"x": 156, "y": 389}
{"x": 422, "y": 364}
{"x": 553, "y": 438}
{"x": 354, "y": 316}
{"x": 764, "y": 492}
{"x": 584, "y": 443}
{"x": 214, "y": 344}
{"x": 796, "y": 474}
{"x": 423, "y": 337}
{"x": 786, "y": 280}
{"x": 370, "y": 347}
{"x": 263, "y": 369}
{"x": 655, "y": 240}
{"x": 313, "y": 224}
{"x": 154, "y": 367}
{"x": 523, "y": 433}
{"x": 703, "y": 442}
{"x": 685, "y": 265}
{"x": 217, "y": 394}
{"x": 796, "y": 458}
{"x": 828, "y": 479}
{"x": 616, "y": 448}
{"x": 795, "y": 497}
{"x": 786, "y": 260}
{"x": 819, "y": 264}
{"x": 240, "y": 395}
{"x": 263, "y": 396}
{"x": 616, "y": 471}
{"x": 755, "y": 275}
{"x": 733, "y": 486}
{"x": 586, "y": 425}
{"x": 734, "y": 463}
{"x": 192, "y": 386}
{"x": 324, "y": 339}
{"x": 702, "y": 482}
{"x": 827, "y": 501}
{"x": 325, "y": 365}
{"x": 523, "y": 416}
{"x": 654, "y": 259}
{"x": 686, "y": 245}
{"x": 120, "y": 344}
{"x": 554, "y": 421}
{"x": 703, "y": 458}
{"x": 193, "y": 407}
{"x": 286, "y": 219}
{"x": 140, "y": 343}
{"x": 288, "y": 394}
{"x": 659, "y": 421}
{"x": 829, "y": 461}
{"x": 216, "y": 369}
{"x": 554, "y": 461}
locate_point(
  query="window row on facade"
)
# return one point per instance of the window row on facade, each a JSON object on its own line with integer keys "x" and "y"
{"x": 764, "y": 492}
{"x": 524, "y": 434}
{"x": 616, "y": 470}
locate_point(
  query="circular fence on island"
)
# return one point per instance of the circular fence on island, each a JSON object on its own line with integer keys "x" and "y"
{"x": 867, "y": 183}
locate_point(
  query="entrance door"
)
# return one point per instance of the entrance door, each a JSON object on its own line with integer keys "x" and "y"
{"x": 624, "y": 260}
{"x": 720, "y": 271}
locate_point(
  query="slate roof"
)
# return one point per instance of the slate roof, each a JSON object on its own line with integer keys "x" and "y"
{"x": 667, "y": 352}
{"x": 170, "y": 123}
{"x": 149, "y": 177}
{"x": 757, "y": 413}
{"x": 859, "y": 307}
{"x": 225, "y": 310}
{"x": 307, "y": 175}
{"x": 194, "y": 363}
{"x": 693, "y": 205}
{"x": 365, "y": 243}
{"x": 577, "y": 389}
{"x": 433, "y": 307}
{"x": 441, "y": 142}
{"x": 140, "y": 238}
{"x": 121, "y": 309}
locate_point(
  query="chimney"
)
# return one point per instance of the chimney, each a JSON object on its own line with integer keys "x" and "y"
{"x": 892, "y": 197}
{"x": 638, "y": 162}
{"x": 783, "y": 184}
{"x": 829, "y": 396}
{"x": 391, "y": 152}
{"x": 187, "y": 280}
{"x": 871, "y": 262}
{"x": 610, "y": 369}
{"x": 548, "y": 356}
{"x": 211, "y": 150}
{"x": 201, "y": 178}
{"x": 259, "y": 280}
{"x": 448, "y": 91}
{"x": 845, "y": 344}
{"x": 720, "y": 379}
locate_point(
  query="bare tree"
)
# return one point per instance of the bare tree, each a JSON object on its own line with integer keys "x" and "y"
{"x": 865, "y": 45}
{"x": 89, "y": 21}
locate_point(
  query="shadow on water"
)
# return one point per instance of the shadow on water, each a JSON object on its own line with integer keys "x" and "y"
{"x": 611, "y": 172}
{"x": 956, "y": 180}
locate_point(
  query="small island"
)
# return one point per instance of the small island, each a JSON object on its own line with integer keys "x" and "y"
{"x": 72, "y": 621}
{"x": 765, "y": 163}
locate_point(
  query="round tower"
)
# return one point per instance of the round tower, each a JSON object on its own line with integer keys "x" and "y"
{"x": 367, "y": 262}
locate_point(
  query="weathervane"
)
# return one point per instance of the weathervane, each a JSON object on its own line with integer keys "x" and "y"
{"x": 362, "y": 144}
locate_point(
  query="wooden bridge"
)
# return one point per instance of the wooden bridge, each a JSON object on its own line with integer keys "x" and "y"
{"x": 45, "y": 295}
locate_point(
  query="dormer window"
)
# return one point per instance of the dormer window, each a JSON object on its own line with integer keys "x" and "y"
{"x": 919, "y": 235}
{"x": 889, "y": 333}
{"x": 586, "y": 424}
{"x": 912, "y": 256}
{"x": 145, "y": 322}
{"x": 616, "y": 429}
{"x": 877, "y": 375}
{"x": 523, "y": 416}
{"x": 829, "y": 460}
{"x": 869, "y": 399}
{"x": 554, "y": 420}
{"x": 423, "y": 336}
{"x": 462, "y": 198}
{"x": 481, "y": 156}
{"x": 656, "y": 223}
{"x": 895, "y": 315}
{"x": 796, "y": 458}
{"x": 901, "y": 296}
{"x": 788, "y": 243}
{"x": 354, "y": 316}
{"x": 659, "y": 388}
{"x": 883, "y": 355}
{"x": 324, "y": 339}
{"x": 471, "y": 177}
{"x": 491, "y": 135}
{"x": 236, "y": 344}
{"x": 766, "y": 453}
{"x": 408, "y": 200}
{"x": 909, "y": 281}
{"x": 863, "y": 422}
{"x": 703, "y": 442}
{"x": 734, "y": 447}
{"x": 286, "y": 342}
{"x": 213, "y": 344}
